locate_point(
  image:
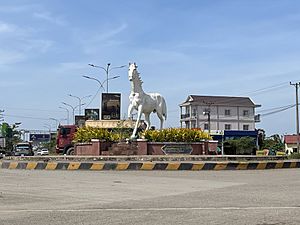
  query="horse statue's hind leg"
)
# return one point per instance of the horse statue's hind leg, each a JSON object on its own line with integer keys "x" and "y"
{"x": 147, "y": 120}
{"x": 161, "y": 118}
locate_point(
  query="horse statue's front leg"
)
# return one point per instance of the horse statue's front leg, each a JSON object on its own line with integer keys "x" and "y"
{"x": 139, "y": 115}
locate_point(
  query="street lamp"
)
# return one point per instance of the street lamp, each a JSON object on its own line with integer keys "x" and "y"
{"x": 48, "y": 126}
{"x": 56, "y": 121}
{"x": 80, "y": 99}
{"x": 107, "y": 70}
{"x": 68, "y": 113}
{"x": 207, "y": 113}
{"x": 101, "y": 83}
{"x": 73, "y": 109}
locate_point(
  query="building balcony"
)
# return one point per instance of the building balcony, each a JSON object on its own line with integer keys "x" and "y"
{"x": 185, "y": 116}
{"x": 188, "y": 116}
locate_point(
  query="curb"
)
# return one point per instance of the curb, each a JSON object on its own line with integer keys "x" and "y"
{"x": 39, "y": 165}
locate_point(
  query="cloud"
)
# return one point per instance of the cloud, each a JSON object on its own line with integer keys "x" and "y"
{"x": 47, "y": 16}
{"x": 10, "y": 57}
{"x": 109, "y": 34}
{"x": 67, "y": 66}
{"x": 16, "y": 8}
{"x": 10, "y": 84}
{"x": 38, "y": 45}
{"x": 104, "y": 39}
{"x": 6, "y": 28}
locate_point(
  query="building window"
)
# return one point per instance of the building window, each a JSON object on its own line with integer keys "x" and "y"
{"x": 205, "y": 126}
{"x": 206, "y": 110}
{"x": 193, "y": 125}
{"x": 194, "y": 112}
{"x": 245, "y": 127}
{"x": 246, "y": 113}
{"x": 227, "y": 126}
{"x": 227, "y": 112}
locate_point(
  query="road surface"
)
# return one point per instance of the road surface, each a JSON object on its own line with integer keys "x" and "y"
{"x": 260, "y": 197}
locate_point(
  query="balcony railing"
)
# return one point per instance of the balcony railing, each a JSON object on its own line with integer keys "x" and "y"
{"x": 189, "y": 116}
{"x": 184, "y": 116}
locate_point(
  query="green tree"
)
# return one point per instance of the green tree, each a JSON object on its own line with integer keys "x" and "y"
{"x": 273, "y": 142}
{"x": 241, "y": 146}
{"x": 11, "y": 134}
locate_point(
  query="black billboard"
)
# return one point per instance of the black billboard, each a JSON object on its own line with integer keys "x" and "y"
{"x": 111, "y": 104}
{"x": 91, "y": 114}
{"x": 79, "y": 120}
{"x": 39, "y": 137}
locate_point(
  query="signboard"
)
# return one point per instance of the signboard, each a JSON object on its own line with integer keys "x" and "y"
{"x": 2, "y": 142}
{"x": 111, "y": 104}
{"x": 91, "y": 114}
{"x": 79, "y": 120}
{"x": 169, "y": 149}
{"x": 39, "y": 137}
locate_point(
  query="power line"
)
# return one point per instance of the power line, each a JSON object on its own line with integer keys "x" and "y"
{"x": 275, "y": 108}
{"x": 25, "y": 117}
{"x": 32, "y": 109}
{"x": 269, "y": 88}
{"x": 94, "y": 96}
{"x": 277, "y": 111}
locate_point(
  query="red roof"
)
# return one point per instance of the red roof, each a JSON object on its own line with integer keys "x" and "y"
{"x": 291, "y": 139}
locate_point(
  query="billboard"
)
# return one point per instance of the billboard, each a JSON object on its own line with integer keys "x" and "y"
{"x": 91, "y": 114}
{"x": 39, "y": 137}
{"x": 79, "y": 120}
{"x": 111, "y": 104}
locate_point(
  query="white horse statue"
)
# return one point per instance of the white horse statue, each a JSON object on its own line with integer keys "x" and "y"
{"x": 145, "y": 103}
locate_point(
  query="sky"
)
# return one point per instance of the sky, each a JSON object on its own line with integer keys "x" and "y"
{"x": 202, "y": 47}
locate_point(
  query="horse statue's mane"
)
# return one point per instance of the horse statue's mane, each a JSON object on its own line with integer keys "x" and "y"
{"x": 144, "y": 103}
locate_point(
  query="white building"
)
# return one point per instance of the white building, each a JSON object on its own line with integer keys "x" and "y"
{"x": 218, "y": 113}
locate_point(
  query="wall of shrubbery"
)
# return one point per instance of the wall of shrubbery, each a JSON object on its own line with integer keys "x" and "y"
{"x": 86, "y": 134}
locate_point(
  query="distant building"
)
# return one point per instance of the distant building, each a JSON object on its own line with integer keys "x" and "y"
{"x": 218, "y": 113}
{"x": 290, "y": 143}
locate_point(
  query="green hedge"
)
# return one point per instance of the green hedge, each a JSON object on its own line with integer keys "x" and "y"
{"x": 176, "y": 135}
{"x": 294, "y": 156}
{"x": 85, "y": 134}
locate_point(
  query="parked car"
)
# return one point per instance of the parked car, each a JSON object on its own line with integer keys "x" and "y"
{"x": 23, "y": 149}
{"x": 42, "y": 151}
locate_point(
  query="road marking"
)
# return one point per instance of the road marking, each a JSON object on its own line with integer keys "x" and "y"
{"x": 148, "y": 209}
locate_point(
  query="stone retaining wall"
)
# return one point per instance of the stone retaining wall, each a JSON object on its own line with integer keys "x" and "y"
{"x": 140, "y": 147}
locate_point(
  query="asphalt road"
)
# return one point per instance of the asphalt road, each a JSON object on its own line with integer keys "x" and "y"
{"x": 261, "y": 197}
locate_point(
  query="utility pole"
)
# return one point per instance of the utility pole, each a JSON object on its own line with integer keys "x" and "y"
{"x": 207, "y": 113}
{"x": 296, "y": 85}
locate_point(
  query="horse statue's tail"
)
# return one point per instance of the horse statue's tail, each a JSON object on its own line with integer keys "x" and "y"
{"x": 164, "y": 108}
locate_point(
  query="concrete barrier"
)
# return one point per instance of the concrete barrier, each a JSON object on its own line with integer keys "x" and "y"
{"x": 67, "y": 165}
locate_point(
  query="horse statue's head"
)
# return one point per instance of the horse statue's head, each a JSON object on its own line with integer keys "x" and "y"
{"x": 132, "y": 71}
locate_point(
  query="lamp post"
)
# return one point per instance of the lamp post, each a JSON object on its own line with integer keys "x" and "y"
{"x": 56, "y": 121}
{"x": 48, "y": 126}
{"x": 79, "y": 99}
{"x": 73, "y": 110}
{"x": 101, "y": 83}
{"x": 107, "y": 70}
{"x": 207, "y": 113}
{"x": 68, "y": 113}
